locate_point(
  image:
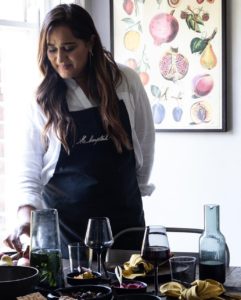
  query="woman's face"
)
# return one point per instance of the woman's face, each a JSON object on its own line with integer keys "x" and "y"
{"x": 67, "y": 54}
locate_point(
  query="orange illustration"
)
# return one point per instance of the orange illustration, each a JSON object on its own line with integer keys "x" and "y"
{"x": 144, "y": 77}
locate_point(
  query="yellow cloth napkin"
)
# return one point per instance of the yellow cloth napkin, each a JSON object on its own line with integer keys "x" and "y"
{"x": 200, "y": 289}
{"x": 136, "y": 266}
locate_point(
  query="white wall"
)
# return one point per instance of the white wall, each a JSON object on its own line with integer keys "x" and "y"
{"x": 191, "y": 169}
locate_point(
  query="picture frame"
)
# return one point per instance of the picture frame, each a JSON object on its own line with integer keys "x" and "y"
{"x": 178, "y": 49}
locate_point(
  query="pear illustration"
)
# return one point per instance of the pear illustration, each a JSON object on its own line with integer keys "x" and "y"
{"x": 208, "y": 58}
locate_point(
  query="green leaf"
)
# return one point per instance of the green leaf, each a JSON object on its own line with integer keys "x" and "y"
{"x": 192, "y": 23}
{"x": 189, "y": 19}
{"x": 199, "y": 21}
{"x": 141, "y": 1}
{"x": 129, "y": 21}
{"x": 198, "y": 45}
{"x": 156, "y": 92}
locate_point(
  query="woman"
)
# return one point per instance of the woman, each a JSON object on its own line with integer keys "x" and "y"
{"x": 88, "y": 146}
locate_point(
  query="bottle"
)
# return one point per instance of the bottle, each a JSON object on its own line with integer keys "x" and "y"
{"x": 45, "y": 250}
{"x": 212, "y": 254}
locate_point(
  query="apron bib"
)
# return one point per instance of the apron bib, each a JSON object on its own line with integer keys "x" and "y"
{"x": 94, "y": 180}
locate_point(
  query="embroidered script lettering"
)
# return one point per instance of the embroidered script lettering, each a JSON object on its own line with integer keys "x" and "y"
{"x": 93, "y": 140}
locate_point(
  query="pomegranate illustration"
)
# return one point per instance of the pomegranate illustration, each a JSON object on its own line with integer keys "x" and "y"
{"x": 173, "y": 65}
{"x": 163, "y": 28}
{"x": 128, "y": 6}
{"x": 202, "y": 85}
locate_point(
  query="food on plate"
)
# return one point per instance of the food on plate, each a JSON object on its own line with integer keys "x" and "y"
{"x": 6, "y": 260}
{"x": 85, "y": 275}
{"x": 33, "y": 296}
{"x": 130, "y": 285}
{"x": 16, "y": 259}
{"x": 80, "y": 295}
{"x": 23, "y": 261}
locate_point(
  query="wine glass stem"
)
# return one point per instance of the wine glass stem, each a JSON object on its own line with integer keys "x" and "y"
{"x": 99, "y": 261}
{"x": 156, "y": 280}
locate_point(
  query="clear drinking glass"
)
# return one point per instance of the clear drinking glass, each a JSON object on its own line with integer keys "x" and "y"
{"x": 99, "y": 237}
{"x": 80, "y": 256}
{"x": 45, "y": 250}
{"x": 155, "y": 248}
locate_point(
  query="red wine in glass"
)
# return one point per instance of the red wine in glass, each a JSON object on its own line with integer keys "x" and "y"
{"x": 156, "y": 255}
{"x": 155, "y": 248}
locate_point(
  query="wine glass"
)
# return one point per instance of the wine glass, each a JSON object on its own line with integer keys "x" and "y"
{"x": 99, "y": 237}
{"x": 155, "y": 248}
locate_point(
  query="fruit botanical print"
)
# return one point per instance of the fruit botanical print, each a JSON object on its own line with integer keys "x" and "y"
{"x": 202, "y": 85}
{"x": 176, "y": 48}
{"x": 163, "y": 28}
{"x": 173, "y": 3}
{"x": 173, "y": 65}
{"x": 203, "y": 46}
{"x": 132, "y": 40}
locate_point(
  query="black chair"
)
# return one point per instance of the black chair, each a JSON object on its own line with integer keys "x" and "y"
{"x": 132, "y": 238}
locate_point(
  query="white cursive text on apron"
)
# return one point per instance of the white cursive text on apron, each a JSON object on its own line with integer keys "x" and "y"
{"x": 93, "y": 140}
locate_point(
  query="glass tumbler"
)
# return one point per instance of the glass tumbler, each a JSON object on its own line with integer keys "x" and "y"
{"x": 45, "y": 249}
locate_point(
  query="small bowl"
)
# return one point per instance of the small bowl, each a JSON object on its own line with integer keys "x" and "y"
{"x": 106, "y": 292}
{"x": 17, "y": 280}
{"x": 130, "y": 287}
{"x": 79, "y": 281}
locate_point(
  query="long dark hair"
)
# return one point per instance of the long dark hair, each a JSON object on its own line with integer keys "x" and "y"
{"x": 102, "y": 78}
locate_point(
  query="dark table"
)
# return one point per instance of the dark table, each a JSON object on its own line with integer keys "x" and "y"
{"x": 232, "y": 283}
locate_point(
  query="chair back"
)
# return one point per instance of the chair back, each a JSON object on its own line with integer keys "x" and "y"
{"x": 127, "y": 236}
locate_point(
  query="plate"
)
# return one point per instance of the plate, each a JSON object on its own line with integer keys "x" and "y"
{"x": 71, "y": 291}
{"x": 164, "y": 274}
{"x": 17, "y": 281}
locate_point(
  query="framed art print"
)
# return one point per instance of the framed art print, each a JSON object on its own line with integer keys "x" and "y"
{"x": 178, "y": 49}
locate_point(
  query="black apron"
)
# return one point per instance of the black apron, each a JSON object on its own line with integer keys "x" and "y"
{"x": 94, "y": 180}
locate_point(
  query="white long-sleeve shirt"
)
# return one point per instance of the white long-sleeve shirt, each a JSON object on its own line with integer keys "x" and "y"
{"x": 36, "y": 165}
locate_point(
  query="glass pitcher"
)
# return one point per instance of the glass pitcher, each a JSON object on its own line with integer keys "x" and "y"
{"x": 212, "y": 255}
{"x": 45, "y": 250}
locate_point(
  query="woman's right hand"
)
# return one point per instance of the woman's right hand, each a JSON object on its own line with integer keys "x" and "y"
{"x": 13, "y": 240}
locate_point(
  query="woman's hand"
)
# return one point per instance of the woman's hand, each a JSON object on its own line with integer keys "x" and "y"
{"x": 23, "y": 228}
{"x": 13, "y": 240}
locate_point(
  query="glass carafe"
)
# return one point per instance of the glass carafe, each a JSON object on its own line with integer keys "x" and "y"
{"x": 45, "y": 250}
{"x": 212, "y": 255}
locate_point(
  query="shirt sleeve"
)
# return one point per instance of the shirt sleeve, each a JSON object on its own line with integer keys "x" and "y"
{"x": 143, "y": 130}
{"x": 30, "y": 160}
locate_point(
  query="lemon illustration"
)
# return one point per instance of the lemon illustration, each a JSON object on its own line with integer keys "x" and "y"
{"x": 132, "y": 40}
